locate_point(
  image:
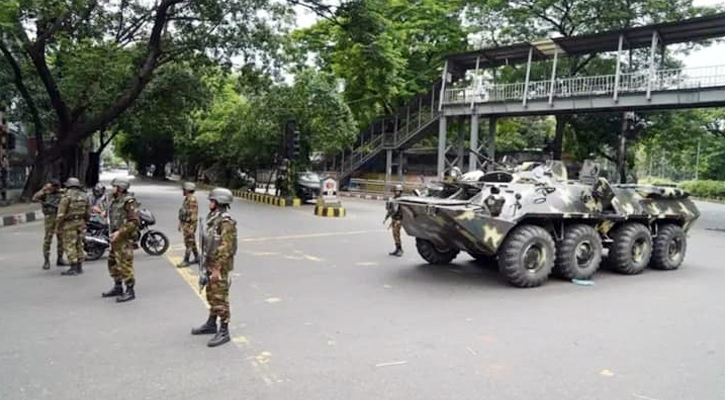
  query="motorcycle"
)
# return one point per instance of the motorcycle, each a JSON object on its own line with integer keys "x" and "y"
{"x": 97, "y": 238}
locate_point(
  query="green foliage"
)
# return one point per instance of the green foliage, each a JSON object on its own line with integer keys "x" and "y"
{"x": 705, "y": 189}
{"x": 515, "y": 134}
{"x": 386, "y": 51}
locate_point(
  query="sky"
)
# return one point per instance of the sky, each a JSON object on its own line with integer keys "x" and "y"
{"x": 713, "y": 55}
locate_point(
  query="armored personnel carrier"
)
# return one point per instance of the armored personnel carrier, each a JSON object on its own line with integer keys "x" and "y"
{"x": 534, "y": 221}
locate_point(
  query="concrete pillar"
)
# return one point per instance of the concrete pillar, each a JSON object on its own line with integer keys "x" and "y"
{"x": 461, "y": 143}
{"x": 401, "y": 165}
{"x": 492, "y": 122}
{"x": 442, "y": 131}
{"x": 388, "y": 168}
{"x": 472, "y": 158}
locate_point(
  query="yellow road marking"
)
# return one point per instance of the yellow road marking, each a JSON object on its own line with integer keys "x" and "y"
{"x": 312, "y": 258}
{"x": 308, "y": 236}
{"x": 263, "y": 371}
{"x": 273, "y": 300}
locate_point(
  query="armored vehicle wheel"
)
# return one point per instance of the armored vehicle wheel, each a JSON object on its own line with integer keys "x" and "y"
{"x": 526, "y": 257}
{"x": 429, "y": 252}
{"x": 669, "y": 247}
{"x": 579, "y": 254}
{"x": 631, "y": 249}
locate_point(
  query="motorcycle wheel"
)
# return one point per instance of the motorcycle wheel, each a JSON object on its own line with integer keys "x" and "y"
{"x": 154, "y": 243}
{"x": 93, "y": 253}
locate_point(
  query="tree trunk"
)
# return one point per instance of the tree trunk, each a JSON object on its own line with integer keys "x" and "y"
{"x": 561, "y": 121}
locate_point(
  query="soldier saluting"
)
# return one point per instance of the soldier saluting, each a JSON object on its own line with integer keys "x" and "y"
{"x": 188, "y": 217}
{"x": 124, "y": 222}
{"x": 218, "y": 249}
{"x": 74, "y": 212}
{"x": 49, "y": 196}
{"x": 394, "y": 213}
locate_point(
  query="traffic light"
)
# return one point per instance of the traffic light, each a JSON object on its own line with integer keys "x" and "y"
{"x": 292, "y": 138}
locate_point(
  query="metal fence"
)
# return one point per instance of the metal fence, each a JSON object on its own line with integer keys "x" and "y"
{"x": 634, "y": 82}
{"x": 381, "y": 187}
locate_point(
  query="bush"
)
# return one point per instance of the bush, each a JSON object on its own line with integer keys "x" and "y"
{"x": 705, "y": 189}
{"x": 655, "y": 181}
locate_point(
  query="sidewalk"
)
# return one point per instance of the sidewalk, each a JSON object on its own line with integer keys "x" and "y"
{"x": 20, "y": 213}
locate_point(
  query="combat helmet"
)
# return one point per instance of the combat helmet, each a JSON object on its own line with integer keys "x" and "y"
{"x": 222, "y": 196}
{"x": 121, "y": 182}
{"x": 398, "y": 188}
{"x": 190, "y": 186}
{"x": 73, "y": 182}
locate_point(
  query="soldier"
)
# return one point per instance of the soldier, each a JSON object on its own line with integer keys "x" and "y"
{"x": 49, "y": 196}
{"x": 73, "y": 213}
{"x": 124, "y": 222}
{"x": 219, "y": 248}
{"x": 188, "y": 216}
{"x": 394, "y": 213}
{"x": 99, "y": 203}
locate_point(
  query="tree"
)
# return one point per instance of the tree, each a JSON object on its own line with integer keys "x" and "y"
{"x": 147, "y": 130}
{"x": 385, "y": 51}
{"x": 94, "y": 59}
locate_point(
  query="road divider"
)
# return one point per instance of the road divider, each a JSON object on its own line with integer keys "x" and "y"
{"x": 322, "y": 211}
{"x": 262, "y": 197}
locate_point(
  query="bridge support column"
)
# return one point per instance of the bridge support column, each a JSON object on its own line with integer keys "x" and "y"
{"x": 388, "y": 168}
{"x": 473, "y": 158}
{"x": 401, "y": 165}
{"x": 492, "y": 122}
{"x": 442, "y": 133}
{"x": 460, "y": 143}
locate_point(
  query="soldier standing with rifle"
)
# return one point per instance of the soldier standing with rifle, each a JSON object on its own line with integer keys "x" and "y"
{"x": 395, "y": 214}
{"x": 188, "y": 216}
{"x": 74, "y": 212}
{"x": 124, "y": 222}
{"x": 218, "y": 247}
{"x": 49, "y": 196}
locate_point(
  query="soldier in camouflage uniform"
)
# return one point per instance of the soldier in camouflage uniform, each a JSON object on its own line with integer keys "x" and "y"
{"x": 124, "y": 223}
{"x": 395, "y": 214}
{"x": 219, "y": 248}
{"x": 49, "y": 196}
{"x": 74, "y": 212}
{"x": 188, "y": 216}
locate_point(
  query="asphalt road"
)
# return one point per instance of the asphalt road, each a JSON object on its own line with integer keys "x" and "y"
{"x": 320, "y": 311}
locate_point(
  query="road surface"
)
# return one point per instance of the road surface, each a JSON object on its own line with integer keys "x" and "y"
{"x": 320, "y": 311}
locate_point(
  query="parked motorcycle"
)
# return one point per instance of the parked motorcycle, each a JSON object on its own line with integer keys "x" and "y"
{"x": 97, "y": 238}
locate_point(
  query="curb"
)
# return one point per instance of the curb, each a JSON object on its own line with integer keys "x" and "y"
{"x": 334, "y": 212}
{"x": 260, "y": 197}
{"x": 363, "y": 196}
{"x": 17, "y": 219}
{"x": 716, "y": 201}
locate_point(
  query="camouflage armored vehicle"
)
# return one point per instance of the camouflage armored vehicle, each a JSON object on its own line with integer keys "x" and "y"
{"x": 535, "y": 221}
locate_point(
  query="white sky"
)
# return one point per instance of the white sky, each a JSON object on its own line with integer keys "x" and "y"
{"x": 710, "y": 56}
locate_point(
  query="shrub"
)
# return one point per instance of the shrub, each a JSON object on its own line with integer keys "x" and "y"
{"x": 705, "y": 189}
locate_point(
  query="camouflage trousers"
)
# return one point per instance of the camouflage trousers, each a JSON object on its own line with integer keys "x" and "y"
{"x": 396, "y": 225}
{"x": 73, "y": 233}
{"x": 48, "y": 238}
{"x": 120, "y": 261}
{"x": 217, "y": 295}
{"x": 188, "y": 229}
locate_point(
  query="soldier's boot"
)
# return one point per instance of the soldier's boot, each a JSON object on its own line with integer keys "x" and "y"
{"x": 196, "y": 257}
{"x": 79, "y": 268}
{"x": 59, "y": 262}
{"x": 116, "y": 291}
{"x": 184, "y": 263}
{"x": 73, "y": 270}
{"x": 46, "y": 264}
{"x": 128, "y": 296}
{"x": 398, "y": 251}
{"x": 208, "y": 328}
{"x": 221, "y": 337}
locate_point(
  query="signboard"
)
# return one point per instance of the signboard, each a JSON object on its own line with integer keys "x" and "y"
{"x": 329, "y": 189}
